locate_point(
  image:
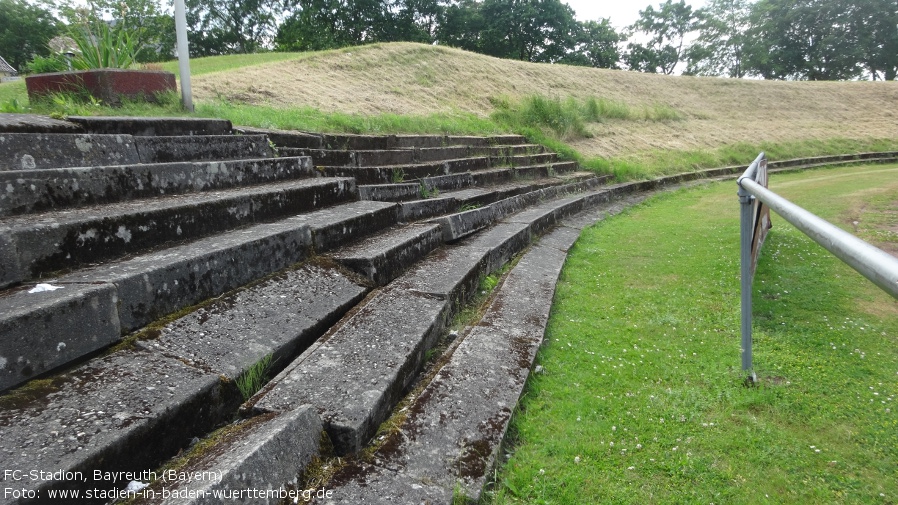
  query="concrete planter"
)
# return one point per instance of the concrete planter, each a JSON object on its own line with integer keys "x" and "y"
{"x": 109, "y": 85}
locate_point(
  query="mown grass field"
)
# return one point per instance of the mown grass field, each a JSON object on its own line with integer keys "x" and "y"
{"x": 640, "y": 398}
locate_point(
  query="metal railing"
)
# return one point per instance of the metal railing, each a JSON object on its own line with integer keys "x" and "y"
{"x": 755, "y": 199}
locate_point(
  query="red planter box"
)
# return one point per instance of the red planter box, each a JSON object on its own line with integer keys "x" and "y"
{"x": 108, "y": 85}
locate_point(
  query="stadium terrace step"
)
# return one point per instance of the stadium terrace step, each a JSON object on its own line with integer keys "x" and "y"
{"x": 127, "y": 411}
{"x": 150, "y": 286}
{"x": 322, "y": 157}
{"x": 201, "y": 147}
{"x": 224, "y": 263}
{"x": 403, "y": 173}
{"x": 380, "y": 259}
{"x": 132, "y": 409}
{"x": 27, "y": 191}
{"x": 152, "y": 127}
{"x": 59, "y": 240}
{"x": 30, "y": 151}
{"x": 523, "y": 159}
{"x": 448, "y": 444}
{"x": 284, "y": 138}
{"x": 356, "y": 374}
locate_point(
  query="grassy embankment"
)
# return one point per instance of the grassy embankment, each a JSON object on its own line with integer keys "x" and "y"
{"x": 630, "y": 124}
{"x": 641, "y": 398}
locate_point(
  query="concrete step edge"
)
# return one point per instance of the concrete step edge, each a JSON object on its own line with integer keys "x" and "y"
{"x": 294, "y": 307}
{"x": 148, "y": 287}
{"x": 41, "y": 190}
{"x": 68, "y": 239}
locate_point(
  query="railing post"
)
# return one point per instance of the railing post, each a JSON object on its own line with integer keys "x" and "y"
{"x": 747, "y": 237}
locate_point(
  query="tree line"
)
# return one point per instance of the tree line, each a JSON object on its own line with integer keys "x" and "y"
{"x": 770, "y": 39}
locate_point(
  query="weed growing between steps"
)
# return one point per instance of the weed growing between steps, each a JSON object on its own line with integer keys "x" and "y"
{"x": 256, "y": 376}
{"x": 641, "y": 396}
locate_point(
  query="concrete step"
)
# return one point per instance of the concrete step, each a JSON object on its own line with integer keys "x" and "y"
{"x": 59, "y": 240}
{"x": 357, "y": 373}
{"x": 150, "y": 127}
{"x": 498, "y": 151}
{"x": 36, "y": 151}
{"x": 323, "y": 157}
{"x": 442, "y": 203}
{"x": 523, "y": 160}
{"x": 461, "y": 224}
{"x": 201, "y": 148}
{"x": 33, "y": 123}
{"x": 285, "y": 138}
{"x": 448, "y": 444}
{"x": 29, "y": 151}
{"x": 136, "y": 407}
{"x": 382, "y": 258}
{"x": 404, "y": 173}
{"x": 26, "y": 191}
{"x": 444, "y": 185}
{"x": 151, "y": 286}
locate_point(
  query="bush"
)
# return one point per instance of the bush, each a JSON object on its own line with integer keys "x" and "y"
{"x": 44, "y": 65}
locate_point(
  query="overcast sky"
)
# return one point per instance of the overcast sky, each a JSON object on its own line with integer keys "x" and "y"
{"x": 621, "y": 12}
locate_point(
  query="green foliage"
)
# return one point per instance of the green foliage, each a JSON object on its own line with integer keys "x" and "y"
{"x": 11, "y": 106}
{"x": 231, "y": 26}
{"x": 803, "y": 40}
{"x": 150, "y": 31}
{"x": 641, "y": 401}
{"x": 667, "y": 28}
{"x": 253, "y": 378}
{"x": 539, "y": 31}
{"x": 722, "y": 45}
{"x": 47, "y": 64}
{"x": 25, "y": 30}
{"x": 563, "y": 118}
{"x": 567, "y": 119}
{"x": 425, "y": 192}
{"x": 597, "y": 44}
{"x": 311, "y": 119}
{"x": 99, "y": 46}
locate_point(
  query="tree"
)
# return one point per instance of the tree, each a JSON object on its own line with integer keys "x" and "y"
{"x": 528, "y": 30}
{"x": 874, "y": 24}
{"x": 417, "y": 20}
{"x": 463, "y": 25}
{"x": 805, "y": 39}
{"x": 230, "y": 26}
{"x": 327, "y": 24}
{"x": 25, "y": 30}
{"x": 723, "y": 43}
{"x": 666, "y": 28}
{"x": 597, "y": 44}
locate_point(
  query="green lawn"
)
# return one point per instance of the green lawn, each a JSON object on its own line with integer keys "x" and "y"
{"x": 640, "y": 398}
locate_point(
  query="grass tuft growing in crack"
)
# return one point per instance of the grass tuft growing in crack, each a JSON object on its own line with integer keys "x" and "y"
{"x": 256, "y": 376}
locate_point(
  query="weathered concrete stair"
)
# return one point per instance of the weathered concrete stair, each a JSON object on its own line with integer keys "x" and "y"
{"x": 304, "y": 277}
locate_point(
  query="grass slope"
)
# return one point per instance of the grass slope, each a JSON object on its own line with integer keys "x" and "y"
{"x": 415, "y": 79}
{"x": 632, "y": 124}
{"x": 641, "y": 398}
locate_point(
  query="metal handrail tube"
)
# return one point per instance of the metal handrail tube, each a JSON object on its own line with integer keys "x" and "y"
{"x": 752, "y": 169}
{"x": 871, "y": 262}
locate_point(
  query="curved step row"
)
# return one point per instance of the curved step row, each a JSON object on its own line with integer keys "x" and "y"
{"x": 353, "y": 376}
{"x": 177, "y": 294}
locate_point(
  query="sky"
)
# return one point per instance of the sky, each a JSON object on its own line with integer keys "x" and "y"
{"x": 621, "y": 12}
